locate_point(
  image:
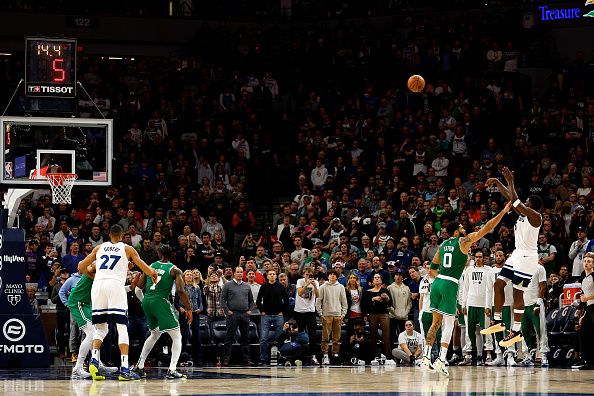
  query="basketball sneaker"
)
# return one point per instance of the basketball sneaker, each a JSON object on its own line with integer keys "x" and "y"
{"x": 467, "y": 361}
{"x": 426, "y": 363}
{"x": 511, "y": 339}
{"x": 139, "y": 372}
{"x": 80, "y": 373}
{"x": 127, "y": 375}
{"x": 496, "y": 327}
{"x": 544, "y": 361}
{"x": 94, "y": 370}
{"x": 107, "y": 369}
{"x": 440, "y": 367}
{"x": 511, "y": 359}
{"x": 498, "y": 361}
{"x": 175, "y": 375}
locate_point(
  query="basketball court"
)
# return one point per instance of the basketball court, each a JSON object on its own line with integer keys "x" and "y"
{"x": 311, "y": 380}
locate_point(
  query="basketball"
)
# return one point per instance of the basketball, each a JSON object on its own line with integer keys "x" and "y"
{"x": 416, "y": 83}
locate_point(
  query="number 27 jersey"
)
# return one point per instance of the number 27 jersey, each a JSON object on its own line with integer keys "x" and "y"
{"x": 453, "y": 260}
{"x": 112, "y": 262}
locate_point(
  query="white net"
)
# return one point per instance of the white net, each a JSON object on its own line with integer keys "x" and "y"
{"x": 61, "y": 184}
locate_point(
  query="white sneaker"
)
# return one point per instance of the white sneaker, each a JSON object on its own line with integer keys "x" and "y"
{"x": 511, "y": 360}
{"x": 527, "y": 362}
{"x": 315, "y": 361}
{"x": 440, "y": 367}
{"x": 497, "y": 362}
{"x": 390, "y": 362}
{"x": 544, "y": 362}
{"x": 80, "y": 373}
{"x": 426, "y": 364}
{"x": 326, "y": 360}
{"x": 298, "y": 363}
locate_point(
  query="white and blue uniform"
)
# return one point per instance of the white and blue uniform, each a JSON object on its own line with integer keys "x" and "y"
{"x": 108, "y": 295}
{"x": 521, "y": 266}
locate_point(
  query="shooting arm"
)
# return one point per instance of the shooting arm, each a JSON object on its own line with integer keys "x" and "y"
{"x": 471, "y": 238}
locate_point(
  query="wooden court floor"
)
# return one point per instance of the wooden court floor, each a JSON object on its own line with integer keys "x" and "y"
{"x": 310, "y": 380}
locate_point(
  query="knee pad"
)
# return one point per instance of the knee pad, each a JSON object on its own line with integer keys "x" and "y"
{"x": 122, "y": 334}
{"x": 447, "y": 329}
{"x": 100, "y": 331}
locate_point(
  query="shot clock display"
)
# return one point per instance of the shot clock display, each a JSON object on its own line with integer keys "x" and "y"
{"x": 51, "y": 67}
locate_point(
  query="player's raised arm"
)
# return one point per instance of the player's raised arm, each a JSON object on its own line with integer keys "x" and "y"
{"x": 135, "y": 258}
{"x": 83, "y": 265}
{"x": 467, "y": 241}
{"x": 533, "y": 216}
{"x": 505, "y": 191}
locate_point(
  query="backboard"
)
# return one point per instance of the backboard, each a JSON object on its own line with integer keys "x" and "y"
{"x": 30, "y": 145}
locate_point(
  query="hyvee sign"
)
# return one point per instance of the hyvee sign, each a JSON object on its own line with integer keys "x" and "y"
{"x": 22, "y": 340}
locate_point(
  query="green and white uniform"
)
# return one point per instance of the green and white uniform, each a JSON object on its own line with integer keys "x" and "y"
{"x": 157, "y": 308}
{"x": 445, "y": 287}
{"x": 79, "y": 302}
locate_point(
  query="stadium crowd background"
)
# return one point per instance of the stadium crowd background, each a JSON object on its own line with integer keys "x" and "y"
{"x": 315, "y": 123}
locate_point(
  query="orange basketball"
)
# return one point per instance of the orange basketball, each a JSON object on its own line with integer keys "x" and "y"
{"x": 416, "y": 83}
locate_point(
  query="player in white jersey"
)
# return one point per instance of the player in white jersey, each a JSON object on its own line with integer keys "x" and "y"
{"x": 523, "y": 263}
{"x": 108, "y": 295}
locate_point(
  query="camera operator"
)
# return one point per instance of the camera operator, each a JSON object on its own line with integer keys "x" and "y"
{"x": 293, "y": 344}
{"x": 358, "y": 349}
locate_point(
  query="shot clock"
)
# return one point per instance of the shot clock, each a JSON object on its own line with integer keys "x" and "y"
{"x": 51, "y": 67}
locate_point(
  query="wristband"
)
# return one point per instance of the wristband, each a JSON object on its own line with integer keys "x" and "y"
{"x": 516, "y": 203}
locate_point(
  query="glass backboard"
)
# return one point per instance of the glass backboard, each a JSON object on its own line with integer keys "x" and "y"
{"x": 31, "y": 145}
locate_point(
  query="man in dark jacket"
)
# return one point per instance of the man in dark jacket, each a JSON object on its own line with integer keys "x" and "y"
{"x": 272, "y": 301}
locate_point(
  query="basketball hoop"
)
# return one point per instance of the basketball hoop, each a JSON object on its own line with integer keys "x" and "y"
{"x": 61, "y": 184}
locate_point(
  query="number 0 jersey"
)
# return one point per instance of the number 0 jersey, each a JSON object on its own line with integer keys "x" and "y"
{"x": 112, "y": 262}
{"x": 453, "y": 260}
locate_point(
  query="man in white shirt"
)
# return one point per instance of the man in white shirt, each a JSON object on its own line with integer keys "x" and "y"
{"x": 577, "y": 251}
{"x": 440, "y": 164}
{"x": 305, "y": 306}
{"x": 499, "y": 261}
{"x": 319, "y": 175}
{"x": 473, "y": 305}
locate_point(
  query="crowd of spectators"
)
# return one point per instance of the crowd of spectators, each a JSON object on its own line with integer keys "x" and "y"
{"x": 374, "y": 172}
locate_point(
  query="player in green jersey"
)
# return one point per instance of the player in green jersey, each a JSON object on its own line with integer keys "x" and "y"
{"x": 160, "y": 315}
{"x": 450, "y": 260}
{"x": 79, "y": 303}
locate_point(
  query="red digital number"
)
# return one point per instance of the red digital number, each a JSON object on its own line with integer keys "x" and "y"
{"x": 59, "y": 72}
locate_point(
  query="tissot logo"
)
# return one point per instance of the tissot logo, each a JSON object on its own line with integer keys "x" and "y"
{"x": 14, "y": 330}
{"x": 49, "y": 89}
